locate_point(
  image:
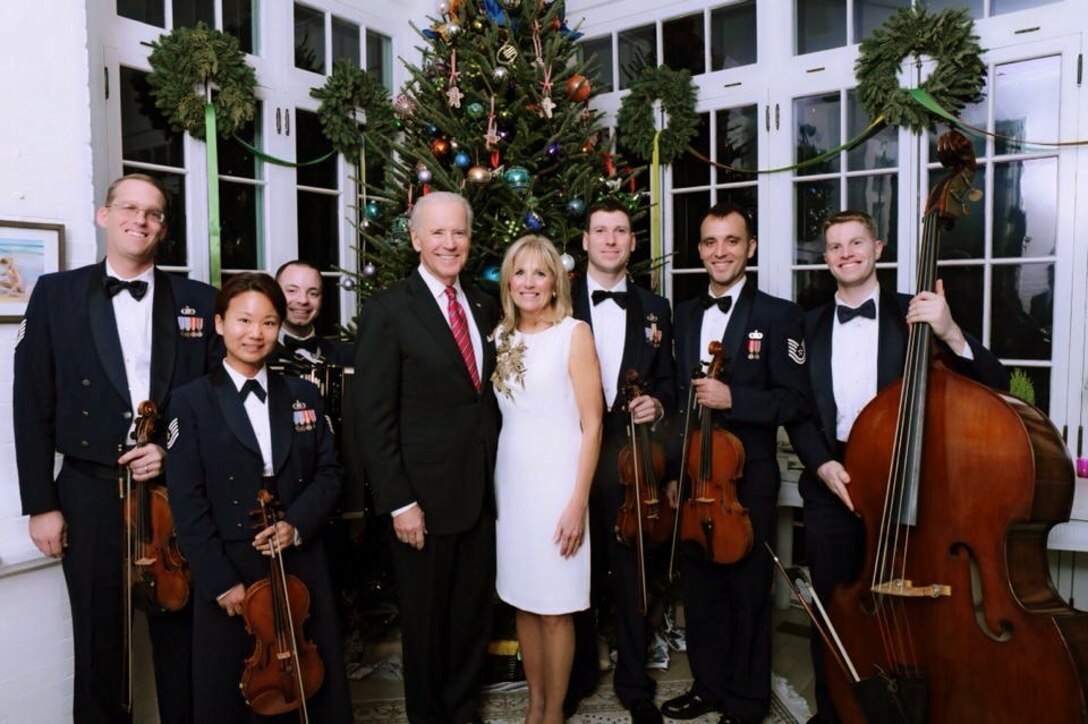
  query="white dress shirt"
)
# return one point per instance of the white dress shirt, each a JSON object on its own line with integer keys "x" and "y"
{"x": 715, "y": 321}
{"x": 257, "y": 410}
{"x": 134, "y": 330}
{"x": 854, "y": 350}
{"x": 609, "y": 336}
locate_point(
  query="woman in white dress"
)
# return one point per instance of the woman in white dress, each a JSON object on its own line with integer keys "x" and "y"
{"x": 548, "y": 385}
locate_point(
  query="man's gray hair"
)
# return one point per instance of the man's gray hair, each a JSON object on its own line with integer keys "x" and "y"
{"x": 435, "y": 197}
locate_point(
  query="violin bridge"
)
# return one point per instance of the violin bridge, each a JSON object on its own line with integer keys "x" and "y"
{"x": 144, "y": 561}
{"x": 907, "y": 589}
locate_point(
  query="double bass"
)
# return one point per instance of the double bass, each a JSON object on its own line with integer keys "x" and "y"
{"x": 953, "y": 617}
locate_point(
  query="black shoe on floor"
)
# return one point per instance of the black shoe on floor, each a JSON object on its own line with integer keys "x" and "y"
{"x": 644, "y": 712}
{"x": 728, "y": 718}
{"x": 687, "y": 706}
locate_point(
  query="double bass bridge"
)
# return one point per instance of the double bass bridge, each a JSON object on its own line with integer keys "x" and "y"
{"x": 905, "y": 588}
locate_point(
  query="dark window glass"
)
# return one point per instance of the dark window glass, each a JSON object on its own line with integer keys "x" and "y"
{"x": 345, "y": 40}
{"x": 819, "y": 129}
{"x": 813, "y": 287}
{"x": 152, "y": 12}
{"x": 967, "y": 237}
{"x": 1025, "y": 198}
{"x": 601, "y": 50}
{"x": 638, "y": 51}
{"x": 234, "y": 158}
{"x": 187, "y": 13}
{"x": 1040, "y": 382}
{"x": 379, "y": 58}
{"x": 145, "y": 133}
{"x": 310, "y": 143}
{"x": 974, "y": 6}
{"x": 738, "y": 142}
{"x": 238, "y": 21}
{"x": 814, "y": 202}
{"x": 309, "y": 39}
{"x": 1017, "y": 333}
{"x": 878, "y": 196}
{"x": 684, "y": 43}
{"x": 687, "y": 170}
{"x": 172, "y": 250}
{"x": 318, "y": 229}
{"x": 871, "y": 14}
{"x": 328, "y": 322}
{"x": 687, "y": 286}
{"x": 687, "y": 212}
{"x": 239, "y": 221}
{"x": 733, "y": 39}
{"x": 821, "y": 24}
{"x": 964, "y": 289}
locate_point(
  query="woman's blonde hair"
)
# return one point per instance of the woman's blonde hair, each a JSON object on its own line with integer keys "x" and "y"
{"x": 544, "y": 250}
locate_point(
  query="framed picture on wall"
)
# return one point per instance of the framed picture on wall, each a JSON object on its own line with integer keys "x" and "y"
{"x": 27, "y": 250}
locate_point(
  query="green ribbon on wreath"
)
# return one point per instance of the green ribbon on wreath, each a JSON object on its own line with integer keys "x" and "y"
{"x": 211, "y": 145}
{"x": 934, "y": 106}
{"x": 656, "y": 249}
{"x": 279, "y": 161}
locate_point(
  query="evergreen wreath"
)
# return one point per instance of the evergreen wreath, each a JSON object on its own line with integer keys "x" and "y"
{"x": 347, "y": 89}
{"x": 187, "y": 57}
{"x": 946, "y": 37}
{"x": 635, "y": 120}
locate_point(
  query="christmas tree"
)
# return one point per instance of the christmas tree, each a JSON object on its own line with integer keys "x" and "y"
{"x": 498, "y": 110}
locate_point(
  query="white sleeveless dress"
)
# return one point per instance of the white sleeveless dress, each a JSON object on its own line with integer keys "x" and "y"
{"x": 535, "y": 474}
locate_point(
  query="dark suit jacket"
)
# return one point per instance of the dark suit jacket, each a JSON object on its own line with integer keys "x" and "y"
{"x": 814, "y": 438}
{"x": 70, "y": 392}
{"x": 647, "y": 348}
{"x": 215, "y": 468}
{"x": 769, "y": 388}
{"x": 333, "y": 351}
{"x": 427, "y": 434}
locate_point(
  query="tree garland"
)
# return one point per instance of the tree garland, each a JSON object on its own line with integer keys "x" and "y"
{"x": 347, "y": 90}
{"x": 189, "y": 57}
{"x": 635, "y": 120}
{"x": 946, "y": 37}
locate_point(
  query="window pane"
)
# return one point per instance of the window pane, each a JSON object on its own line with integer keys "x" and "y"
{"x": 687, "y": 211}
{"x": 819, "y": 129}
{"x": 997, "y": 7}
{"x": 815, "y": 201}
{"x": 871, "y": 14}
{"x": 1016, "y": 332}
{"x": 974, "y": 114}
{"x": 687, "y": 170}
{"x": 318, "y": 237}
{"x": 638, "y": 50}
{"x": 878, "y": 196}
{"x": 738, "y": 142}
{"x": 145, "y": 132}
{"x": 379, "y": 58}
{"x": 327, "y": 323}
{"x": 187, "y": 13}
{"x": 238, "y": 20}
{"x": 813, "y": 287}
{"x": 1037, "y": 282}
{"x": 239, "y": 221}
{"x": 966, "y": 239}
{"x": 821, "y": 24}
{"x": 1025, "y": 199}
{"x": 602, "y": 49}
{"x": 964, "y": 289}
{"x": 234, "y": 158}
{"x": 687, "y": 286}
{"x": 733, "y": 39}
{"x": 310, "y": 143}
{"x": 974, "y": 6}
{"x": 345, "y": 41}
{"x": 878, "y": 151}
{"x": 684, "y": 43}
{"x": 309, "y": 39}
{"x": 1040, "y": 382}
{"x": 152, "y": 12}
{"x": 171, "y": 251}
{"x": 1026, "y": 105}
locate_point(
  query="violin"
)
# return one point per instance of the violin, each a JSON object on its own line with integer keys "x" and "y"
{"x": 712, "y": 522}
{"x": 285, "y": 669}
{"x": 644, "y": 520}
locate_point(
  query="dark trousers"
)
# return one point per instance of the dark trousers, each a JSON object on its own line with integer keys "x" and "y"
{"x": 445, "y": 593}
{"x": 834, "y": 542}
{"x": 94, "y": 570}
{"x": 728, "y": 609}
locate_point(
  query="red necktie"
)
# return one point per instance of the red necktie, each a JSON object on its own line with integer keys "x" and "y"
{"x": 459, "y": 327}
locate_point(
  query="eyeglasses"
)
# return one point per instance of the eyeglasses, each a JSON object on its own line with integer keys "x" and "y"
{"x": 131, "y": 211}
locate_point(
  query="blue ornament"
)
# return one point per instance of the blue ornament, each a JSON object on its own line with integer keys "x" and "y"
{"x": 373, "y": 210}
{"x": 432, "y": 130}
{"x": 532, "y": 221}
{"x": 517, "y": 178}
{"x": 491, "y": 273}
{"x": 553, "y": 149}
{"x": 475, "y": 110}
{"x": 462, "y": 159}
{"x": 575, "y": 207}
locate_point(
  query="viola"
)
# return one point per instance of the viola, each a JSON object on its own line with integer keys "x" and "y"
{"x": 712, "y": 522}
{"x": 644, "y": 520}
{"x": 285, "y": 668}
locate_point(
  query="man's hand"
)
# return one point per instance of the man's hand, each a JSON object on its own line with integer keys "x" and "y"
{"x": 712, "y": 393}
{"x": 836, "y": 479}
{"x": 410, "y": 527}
{"x": 932, "y": 308}
{"x": 232, "y": 600}
{"x": 672, "y": 494}
{"x": 645, "y": 409}
{"x": 145, "y": 461}
{"x": 50, "y": 533}
{"x": 282, "y": 533}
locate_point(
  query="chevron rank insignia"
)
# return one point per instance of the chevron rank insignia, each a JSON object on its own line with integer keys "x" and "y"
{"x": 21, "y": 332}
{"x": 172, "y": 433}
{"x": 796, "y": 350}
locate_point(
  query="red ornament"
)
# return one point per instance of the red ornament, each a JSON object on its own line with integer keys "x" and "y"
{"x": 440, "y": 147}
{"x": 578, "y": 88}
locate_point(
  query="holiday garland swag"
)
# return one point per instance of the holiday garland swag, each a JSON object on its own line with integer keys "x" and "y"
{"x": 635, "y": 120}
{"x": 945, "y": 36}
{"x": 200, "y": 56}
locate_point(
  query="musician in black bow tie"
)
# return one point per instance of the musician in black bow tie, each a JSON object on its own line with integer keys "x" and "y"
{"x": 856, "y": 346}
{"x": 301, "y": 283}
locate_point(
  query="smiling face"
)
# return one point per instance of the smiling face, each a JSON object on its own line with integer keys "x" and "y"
{"x": 249, "y": 329}
{"x": 531, "y": 284}
{"x": 725, "y": 248}
{"x": 608, "y": 242}
{"x": 441, "y": 235}
{"x": 134, "y": 222}
{"x": 302, "y": 286}
{"x": 851, "y": 254}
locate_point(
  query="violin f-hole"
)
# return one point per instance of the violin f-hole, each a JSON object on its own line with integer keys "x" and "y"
{"x": 978, "y": 603}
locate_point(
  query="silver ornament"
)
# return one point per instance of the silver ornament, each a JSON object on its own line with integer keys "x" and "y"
{"x": 568, "y": 262}
{"x": 369, "y": 270}
{"x": 500, "y": 72}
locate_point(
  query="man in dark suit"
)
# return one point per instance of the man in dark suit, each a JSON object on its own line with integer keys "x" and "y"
{"x": 632, "y": 330}
{"x": 764, "y": 385}
{"x": 856, "y": 347}
{"x": 428, "y": 426}
{"x": 301, "y": 284}
{"x": 96, "y": 341}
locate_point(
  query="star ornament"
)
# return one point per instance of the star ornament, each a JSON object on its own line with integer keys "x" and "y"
{"x": 455, "y": 95}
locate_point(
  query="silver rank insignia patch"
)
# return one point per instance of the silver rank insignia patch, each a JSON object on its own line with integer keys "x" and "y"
{"x": 20, "y": 333}
{"x": 172, "y": 433}
{"x": 796, "y": 350}
{"x": 189, "y": 324}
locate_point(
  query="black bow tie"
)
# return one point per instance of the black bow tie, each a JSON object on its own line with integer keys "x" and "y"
{"x": 845, "y": 313}
{"x": 310, "y": 344}
{"x": 252, "y": 386}
{"x": 724, "y": 303}
{"x": 599, "y": 295}
{"x": 113, "y": 286}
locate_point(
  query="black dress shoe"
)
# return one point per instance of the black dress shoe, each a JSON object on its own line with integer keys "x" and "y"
{"x": 687, "y": 706}
{"x": 734, "y": 719}
{"x": 644, "y": 712}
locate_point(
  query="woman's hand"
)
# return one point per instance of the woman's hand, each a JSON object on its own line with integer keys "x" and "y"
{"x": 571, "y": 529}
